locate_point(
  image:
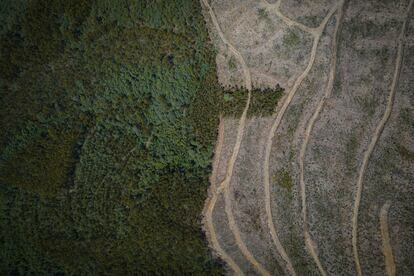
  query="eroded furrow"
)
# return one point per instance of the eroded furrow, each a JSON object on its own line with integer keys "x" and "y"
{"x": 310, "y": 244}
{"x": 374, "y": 139}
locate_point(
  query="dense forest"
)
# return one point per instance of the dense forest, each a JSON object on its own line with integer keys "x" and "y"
{"x": 108, "y": 122}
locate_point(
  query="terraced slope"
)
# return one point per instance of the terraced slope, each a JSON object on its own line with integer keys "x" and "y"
{"x": 307, "y": 190}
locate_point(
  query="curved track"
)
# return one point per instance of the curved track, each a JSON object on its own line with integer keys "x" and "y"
{"x": 211, "y": 202}
{"x": 277, "y": 120}
{"x": 374, "y": 139}
{"x": 225, "y": 185}
{"x": 309, "y": 128}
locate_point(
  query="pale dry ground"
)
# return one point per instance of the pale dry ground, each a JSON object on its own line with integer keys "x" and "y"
{"x": 386, "y": 241}
{"x": 328, "y": 91}
{"x": 389, "y": 177}
{"x": 378, "y": 130}
{"x": 225, "y": 184}
{"x": 211, "y": 203}
{"x": 293, "y": 184}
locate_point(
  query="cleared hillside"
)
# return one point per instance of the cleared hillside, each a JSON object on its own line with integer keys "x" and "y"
{"x": 322, "y": 186}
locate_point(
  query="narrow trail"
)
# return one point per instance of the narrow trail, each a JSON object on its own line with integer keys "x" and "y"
{"x": 213, "y": 237}
{"x": 211, "y": 202}
{"x": 375, "y": 137}
{"x": 386, "y": 243}
{"x": 310, "y": 244}
{"x": 291, "y": 23}
{"x": 246, "y": 72}
{"x": 225, "y": 185}
{"x": 277, "y": 119}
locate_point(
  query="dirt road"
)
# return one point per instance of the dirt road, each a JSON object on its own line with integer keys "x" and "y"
{"x": 386, "y": 241}
{"x": 277, "y": 120}
{"x": 328, "y": 91}
{"x": 374, "y": 139}
{"x": 211, "y": 202}
{"x": 225, "y": 185}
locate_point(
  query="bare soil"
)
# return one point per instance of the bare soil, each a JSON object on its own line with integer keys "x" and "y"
{"x": 302, "y": 190}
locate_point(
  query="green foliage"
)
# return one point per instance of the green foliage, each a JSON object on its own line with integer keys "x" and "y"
{"x": 367, "y": 103}
{"x": 207, "y": 106}
{"x": 405, "y": 118}
{"x": 264, "y": 16}
{"x": 284, "y": 179}
{"x": 101, "y": 171}
{"x": 234, "y": 102}
{"x": 368, "y": 28}
{"x": 262, "y": 13}
{"x": 405, "y": 153}
{"x": 108, "y": 120}
{"x": 291, "y": 39}
{"x": 232, "y": 63}
{"x": 351, "y": 148}
{"x": 310, "y": 20}
{"x": 264, "y": 101}
{"x": 44, "y": 165}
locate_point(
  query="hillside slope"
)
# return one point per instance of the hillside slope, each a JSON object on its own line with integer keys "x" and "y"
{"x": 321, "y": 187}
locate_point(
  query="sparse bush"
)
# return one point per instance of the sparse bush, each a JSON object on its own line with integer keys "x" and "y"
{"x": 291, "y": 39}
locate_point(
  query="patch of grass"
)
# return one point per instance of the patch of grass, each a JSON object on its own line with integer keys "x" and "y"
{"x": 232, "y": 63}
{"x": 405, "y": 153}
{"x": 263, "y": 14}
{"x": 283, "y": 179}
{"x": 356, "y": 28}
{"x": 406, "y": 118}
{"x": 295, "y": 112}
{"x": 337, "y": 86}
{"x": 45, "y": 166}
{"x": 291, "y": 39}
{"x": 368, "y": 104}
{"x": 296, "y": 251}
{"x": 350, "y": 151}
{"x": 264, "y": 101}
{"x": 310, "y": 20}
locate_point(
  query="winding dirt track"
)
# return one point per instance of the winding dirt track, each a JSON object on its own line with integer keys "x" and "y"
{"x": 291, "y": 23}
{"x": 225, "y": 185}
{"x": 277, "y": 119}
{"x": 386, "y": 244}
{"x": 211, "y": 202}
{"x": 374, "y": 139}
{"x": 328, "y": 91}
{"x": 246, "y": 73}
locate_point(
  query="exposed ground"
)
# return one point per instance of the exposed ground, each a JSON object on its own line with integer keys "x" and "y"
{"x": 300, "y": 192}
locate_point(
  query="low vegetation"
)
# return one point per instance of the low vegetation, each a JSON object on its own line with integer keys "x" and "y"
{"x": 291, "y": 39}
{"x": 284, "y": 179}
